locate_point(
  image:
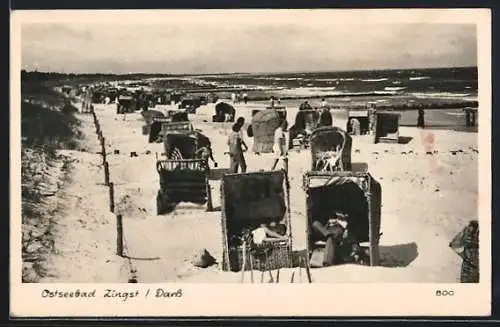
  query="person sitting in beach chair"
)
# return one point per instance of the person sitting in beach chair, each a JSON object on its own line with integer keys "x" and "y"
{"x": 355, "y": 126}
{"x": 269, "y": 232}
{"x": 333, "y": 232}
{"x": 340, "y": 245}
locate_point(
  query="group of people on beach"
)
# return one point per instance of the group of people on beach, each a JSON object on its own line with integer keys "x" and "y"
{"x": 237, "y": 146}
{"x": 238, "y": 97}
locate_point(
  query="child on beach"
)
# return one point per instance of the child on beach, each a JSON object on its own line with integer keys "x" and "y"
{"x": 205, "y": 153}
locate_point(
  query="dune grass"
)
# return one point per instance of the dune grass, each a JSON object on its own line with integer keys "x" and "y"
{"x": 48, "y": 124}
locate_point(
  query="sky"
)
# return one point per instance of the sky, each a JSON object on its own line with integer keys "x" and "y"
{"x": 212, "y": 46}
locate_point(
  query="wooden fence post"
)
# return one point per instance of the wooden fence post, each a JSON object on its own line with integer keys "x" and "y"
{"x": 111, "y": 197}
{"x": 103, "y": 149}
{"x": 119, "y": 235}
{"x": 106, "y": 173}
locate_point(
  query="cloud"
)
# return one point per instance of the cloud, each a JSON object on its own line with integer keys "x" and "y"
{"x": 203, "y": 47}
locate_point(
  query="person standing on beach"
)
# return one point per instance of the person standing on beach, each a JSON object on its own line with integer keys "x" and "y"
{"x": 467, "y": 118}
{"x": 280, "y": 147}
{"x": 237, "y": 159}
{"x": 305, "y": 106}
{"x": 421, "y": 118}
{"x": 205, "y": 153}
{"x": 325, "y": 118}
{"x": 245, "y": 97}
{"x": 473, "y": 118}
{"x": 240, "y": 122}
{"x": 233, "y": 97}
{"x": 324, "y": 104}
{"x": 271, "y": 102}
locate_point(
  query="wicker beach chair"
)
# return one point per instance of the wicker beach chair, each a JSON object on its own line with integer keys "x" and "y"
{"x": 306, "y": 121}
{"x": 358, "y": 195}
{"x": 184, "y": 177}
{"x": 248, "y": 200}
{"x": 385, "y": 127}
{"x": 264, "y": 123}
{"x": 164, "y": 126}
{"x": 330, "y": 149}
{"x": 224, "y": 112}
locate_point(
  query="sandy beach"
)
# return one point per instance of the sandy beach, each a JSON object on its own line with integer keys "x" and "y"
{"x": 426, "y": 200}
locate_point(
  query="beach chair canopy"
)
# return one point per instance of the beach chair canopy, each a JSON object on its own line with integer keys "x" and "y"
{"x": 247, "y": 201}
{"x": 186, "y": 145}
{"x": 387, "y": 123}
{"x": 163, "y": 126}
{"x": 253, "y": 198}
{"x": 306, "y": 120}
{"x": 180, "y": 116}
{"x": 264, "y": 123}
{"x": 281, "y": 112}
{"x": 358, "y": 113}
{"x": 223, "y": 108}
{"x": 149, "y": 115}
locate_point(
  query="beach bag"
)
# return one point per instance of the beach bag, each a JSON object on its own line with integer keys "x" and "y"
{"x": 317, "y": 258}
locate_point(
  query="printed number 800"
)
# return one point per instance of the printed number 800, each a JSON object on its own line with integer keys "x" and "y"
{"x": 445, "y": 293}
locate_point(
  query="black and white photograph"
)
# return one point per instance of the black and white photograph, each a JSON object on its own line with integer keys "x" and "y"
{"x": 321, "y": 147}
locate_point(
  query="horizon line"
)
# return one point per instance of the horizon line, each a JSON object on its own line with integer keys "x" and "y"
{"x": 245, "y": 73}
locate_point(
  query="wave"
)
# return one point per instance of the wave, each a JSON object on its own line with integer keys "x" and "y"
{"x": 374, "y": 80}
{"x": 394, "y": 88}
{"x": 384, "y": 92}
{"x": 418, "y": 78}
{"x": 455, "y": 113}
{"x": 307, "y": 91}
{"x": 441, "y": 95}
